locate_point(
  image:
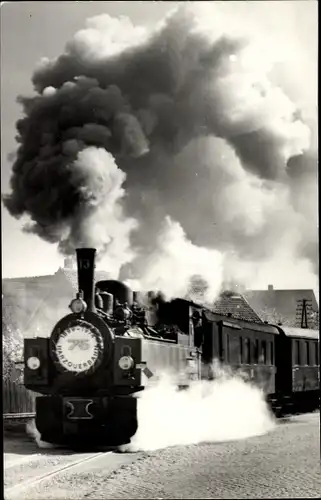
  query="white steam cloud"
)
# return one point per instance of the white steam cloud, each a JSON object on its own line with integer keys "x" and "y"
{"x": 224, "y": 409}
{"x": 227, "y": 408}
{"x": 33, "y": 432}
{"x": 172, "y": 263}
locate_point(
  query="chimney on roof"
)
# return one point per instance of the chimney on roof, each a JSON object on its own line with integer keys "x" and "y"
{"x": 270, "y": 288}
{"x": 68, "y": 263}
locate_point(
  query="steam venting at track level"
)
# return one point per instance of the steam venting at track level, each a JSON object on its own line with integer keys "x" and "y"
{"x": 227, "y": 408}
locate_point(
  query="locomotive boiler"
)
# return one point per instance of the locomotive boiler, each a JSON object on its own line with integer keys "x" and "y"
{"x": 97, "y": 358}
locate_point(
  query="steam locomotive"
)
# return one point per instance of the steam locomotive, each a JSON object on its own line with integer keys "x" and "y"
{"x": 97, "y": 358}
{"x": 102, "y": 354}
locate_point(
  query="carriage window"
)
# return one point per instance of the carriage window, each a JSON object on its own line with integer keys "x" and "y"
{"x": 256, "y": 351}
{"x": 307, "y": 349}
{"x": 272, "y": 353}
{"x": 312, "y": 354}
{"x": 241, "y": 350}
{"x": 268, "y": 353}
{"x": 316, "y": 346}
{"x": 227, "y": 347}
{"x": 247, "y": 352}
{"x": 263, "y": 352}
{"x": 297, "y": 353}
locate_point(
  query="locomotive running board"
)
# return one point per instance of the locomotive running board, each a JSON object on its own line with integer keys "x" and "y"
{"x": 78, "y": 408}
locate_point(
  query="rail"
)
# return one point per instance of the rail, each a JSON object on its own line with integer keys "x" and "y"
{"x": 22, "y": 487}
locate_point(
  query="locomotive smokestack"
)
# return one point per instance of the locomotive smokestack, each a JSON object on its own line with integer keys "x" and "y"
{"x": 86, "y": 271}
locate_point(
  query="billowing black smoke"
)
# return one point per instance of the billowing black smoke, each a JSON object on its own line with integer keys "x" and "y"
{"x": 171, "y": 151}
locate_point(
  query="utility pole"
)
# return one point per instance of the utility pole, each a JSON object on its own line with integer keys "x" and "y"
{"x": 302, "y": 312}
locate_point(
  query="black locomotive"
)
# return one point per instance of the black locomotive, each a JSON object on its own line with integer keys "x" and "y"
{"x": 99, "y": 356}
{"x": 96, "y": 358}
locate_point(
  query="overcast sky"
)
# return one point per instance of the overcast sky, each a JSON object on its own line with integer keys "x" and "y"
{"x": 31, "y": 30}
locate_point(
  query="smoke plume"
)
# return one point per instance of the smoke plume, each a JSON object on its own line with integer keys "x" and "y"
{"x": 206, "y": 412}
{"x": 166, "y": 147}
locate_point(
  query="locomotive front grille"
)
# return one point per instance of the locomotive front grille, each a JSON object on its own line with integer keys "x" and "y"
{"x": 78, "y": 408}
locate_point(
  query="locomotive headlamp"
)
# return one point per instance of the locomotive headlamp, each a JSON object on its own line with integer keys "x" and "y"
{"x": 33, "y": 363}
{"x": 126, "y": 362}
{"x": 78, "y": 306}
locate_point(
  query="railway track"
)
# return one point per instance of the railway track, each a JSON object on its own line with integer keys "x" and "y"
{"x": 36, "y": 486}
{"x": 17, "y": 490}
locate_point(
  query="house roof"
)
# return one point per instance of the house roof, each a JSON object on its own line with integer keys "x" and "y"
{"x": 283, "y": 306}
{"x": 69, "y": 275}
{"x": 40, "y": 300}
{"x": 72, "y": 277}
{"x": 236, "y": 306}
{"x": 28, "y": 279}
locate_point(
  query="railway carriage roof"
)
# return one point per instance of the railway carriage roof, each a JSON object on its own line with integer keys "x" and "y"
{"x": 241, "y": 324}
{"x": 305, "y": 333}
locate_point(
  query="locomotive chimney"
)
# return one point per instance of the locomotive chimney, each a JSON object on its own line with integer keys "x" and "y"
{"x": 86, "y": 271}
